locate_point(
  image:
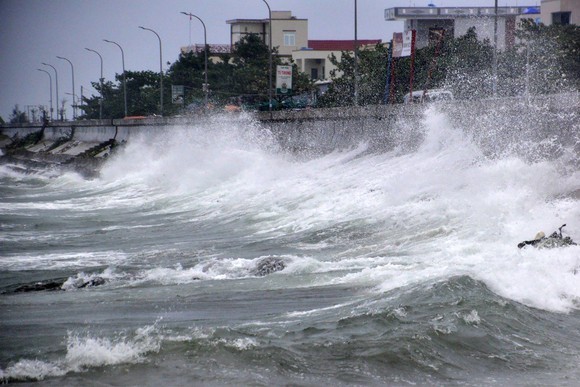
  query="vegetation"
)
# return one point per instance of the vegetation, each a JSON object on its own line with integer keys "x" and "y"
{"x": 17, "y": 116}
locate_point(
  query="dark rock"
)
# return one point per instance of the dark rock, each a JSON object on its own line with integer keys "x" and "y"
{"x": 97, "y": 281}
{"x": 40, "y": 286}
{"x": 269, "y": 265}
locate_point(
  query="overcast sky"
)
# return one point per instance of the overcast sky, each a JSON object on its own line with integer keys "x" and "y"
{"x": 36, "y": 31}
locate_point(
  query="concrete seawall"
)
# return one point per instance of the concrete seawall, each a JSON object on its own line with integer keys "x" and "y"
{"x": 323, "y": 129}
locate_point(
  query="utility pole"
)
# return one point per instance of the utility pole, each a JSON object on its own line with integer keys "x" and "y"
{"x": 494, "y": 86}
{"x": 160, "y": 69}
{"x": 355, "y": 55}
{"x": 269, "y": 57}
{"x": 101, "y": 80}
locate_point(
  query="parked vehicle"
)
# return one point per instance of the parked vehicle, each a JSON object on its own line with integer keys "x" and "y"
{"x": 430, "y": 95}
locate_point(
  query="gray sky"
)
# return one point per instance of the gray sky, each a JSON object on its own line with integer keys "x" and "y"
{"x": 36, "y": 31}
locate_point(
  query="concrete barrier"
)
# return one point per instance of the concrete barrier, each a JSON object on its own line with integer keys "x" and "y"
{"x": 53, "y": 133}
{"x": 328, "y": 129}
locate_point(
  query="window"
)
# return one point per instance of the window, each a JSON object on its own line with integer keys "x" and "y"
{"x": 290, "y": 38}
{"x": 561, "y": 18}
{"x": 313, "y": 73}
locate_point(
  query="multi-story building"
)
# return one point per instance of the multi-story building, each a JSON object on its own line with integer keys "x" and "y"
{"x": 288, "y": 32}
{"x": 560, "y": 12}
{"x": 430, "y": 21}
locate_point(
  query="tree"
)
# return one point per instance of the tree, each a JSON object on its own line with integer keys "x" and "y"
{"x": 372, "y": 78}
{"x": 17, "y": 116}
{"x": 551, "y": 55}
{"x": 188, "y": 71}
{"x": 142, "y": 96}
{"x": 250, "y": 63}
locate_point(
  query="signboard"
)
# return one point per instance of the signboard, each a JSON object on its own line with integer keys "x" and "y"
{"x": 177, "y": 93}
{"x": 283, "y": 79}
{"x": 402, "y": 44}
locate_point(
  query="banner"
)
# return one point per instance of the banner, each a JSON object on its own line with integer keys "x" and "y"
{"x": 402, "y": 44}
{"x": 177, "y": 93}
{"x": 283, "y": 79}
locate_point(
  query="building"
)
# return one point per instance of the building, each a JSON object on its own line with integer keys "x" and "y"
{"x": 314, "y": 59}
{"x": 288, "y": 32}
{"x": 560, "y": 12}
{"x": 290, "y": 35}
{"x": 455, "y": 21}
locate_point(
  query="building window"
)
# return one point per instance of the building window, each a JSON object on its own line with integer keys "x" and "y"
{"x": 290, "y": 38}
{"x": 561, "y": 18}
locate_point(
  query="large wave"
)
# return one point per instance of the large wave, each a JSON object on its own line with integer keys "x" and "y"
{"x": 445, "y": 206}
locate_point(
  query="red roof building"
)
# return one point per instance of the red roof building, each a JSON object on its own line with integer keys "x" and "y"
{"x": 339, "y": 45}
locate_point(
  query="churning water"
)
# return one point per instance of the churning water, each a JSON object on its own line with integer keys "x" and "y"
{"x": 214, "y": 257}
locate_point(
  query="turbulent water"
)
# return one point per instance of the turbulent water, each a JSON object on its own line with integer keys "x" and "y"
{"x": 211, "y": 256}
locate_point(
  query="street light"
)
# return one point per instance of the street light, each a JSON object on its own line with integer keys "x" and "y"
{"x": 74, "y": 97}
{"x": 101, "y": 80}
{"x": 269, "y": 57}
{"x": 50, "y": 83}
{"x": 494, "y": 84}
{"x": 56, "y": 84}
{"x": 124, "y": 80}
{"x": 160, "y": 67}
{"x": 206, "y": 86}
{"x": 73, "y": 86}
{"x": 355, "y": 55}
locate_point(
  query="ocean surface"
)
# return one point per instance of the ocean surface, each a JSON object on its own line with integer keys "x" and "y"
{"x": 212, "y": 256}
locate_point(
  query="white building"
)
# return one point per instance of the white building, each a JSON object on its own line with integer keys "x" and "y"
{"x": 560, "y": 12}
{"x": 455, "y": 21}
{"x": 314, "y": 60}
{"x": 288, "y": 32}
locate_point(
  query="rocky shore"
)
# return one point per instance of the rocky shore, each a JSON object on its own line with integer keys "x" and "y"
{"x": 34, "y": 152}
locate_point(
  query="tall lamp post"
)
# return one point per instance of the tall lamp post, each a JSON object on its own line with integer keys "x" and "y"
{"x": 269, "y": 57}
{"x": 494, "y": 85}
{"x": 74, "y": 106}
{"x": 206, "y": 86}
{"x": 160, "y": 68}
{"x": 56, "y": 84}
{"x": 101, "y": 81}
{"x": 50, "y": 83}
{"x": 124, "y": 80}
{"x": 355, "y": 55}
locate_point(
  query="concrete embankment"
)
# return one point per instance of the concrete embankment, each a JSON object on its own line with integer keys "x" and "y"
{"x": 492, "y": 120}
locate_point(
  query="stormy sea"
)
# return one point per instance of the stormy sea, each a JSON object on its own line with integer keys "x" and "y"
{"x": 215, "y": 256}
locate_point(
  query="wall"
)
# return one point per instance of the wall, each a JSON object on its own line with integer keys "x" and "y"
{"x": 323, "y": 130}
